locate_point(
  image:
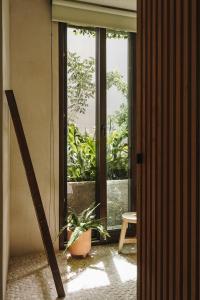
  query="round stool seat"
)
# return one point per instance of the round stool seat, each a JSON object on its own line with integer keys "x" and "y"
{"x": 130, "y": 217}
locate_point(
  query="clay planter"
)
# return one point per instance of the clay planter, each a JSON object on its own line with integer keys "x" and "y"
{"x": 82, "y": 246}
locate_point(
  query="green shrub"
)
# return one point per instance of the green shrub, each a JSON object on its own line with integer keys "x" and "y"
{"x": 117, "y": 154}
{"x": 81, "y": 152}
{"x": 81, "y": 148}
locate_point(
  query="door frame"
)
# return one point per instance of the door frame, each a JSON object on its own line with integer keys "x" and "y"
{"x": 100, "y": 128}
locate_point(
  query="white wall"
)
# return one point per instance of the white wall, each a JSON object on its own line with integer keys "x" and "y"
{"x": 34, "y": 79}
{"x": 4, "y": 147}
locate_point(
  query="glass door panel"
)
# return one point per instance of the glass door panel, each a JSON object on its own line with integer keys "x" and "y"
{"x": 117, "y": 129}
{"x": 81, "y": 120}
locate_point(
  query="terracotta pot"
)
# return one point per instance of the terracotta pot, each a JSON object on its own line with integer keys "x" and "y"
{"x": 82, "y": 246}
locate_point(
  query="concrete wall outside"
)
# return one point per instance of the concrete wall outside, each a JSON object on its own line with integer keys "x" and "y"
{"x": 4, "y": 146}
{"x": 34, "y": 79}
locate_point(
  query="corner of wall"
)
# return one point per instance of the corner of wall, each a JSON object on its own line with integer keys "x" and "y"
{"x": 5, "y": 144}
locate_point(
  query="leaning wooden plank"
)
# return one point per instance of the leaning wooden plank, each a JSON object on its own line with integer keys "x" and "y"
{"x": 33, "y": 185}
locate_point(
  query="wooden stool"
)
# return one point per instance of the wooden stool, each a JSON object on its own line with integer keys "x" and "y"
{"x": 129, "y": 217}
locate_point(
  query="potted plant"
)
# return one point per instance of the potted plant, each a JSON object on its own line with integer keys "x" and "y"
{"x": 79, "y": 231}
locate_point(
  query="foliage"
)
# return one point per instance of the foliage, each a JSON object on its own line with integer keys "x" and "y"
{"x": 82, "y": 222}
{"x": 119, "y": 120}
{"x": 117, "y": 154}
{"x": 111, "y": 34}
{"x": 114, "y": 78}
{"x": 80, "y": 88}
{"x": 81, "y": 155}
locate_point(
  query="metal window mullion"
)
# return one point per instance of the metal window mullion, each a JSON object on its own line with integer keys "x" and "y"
{"x": 101, "y": 188}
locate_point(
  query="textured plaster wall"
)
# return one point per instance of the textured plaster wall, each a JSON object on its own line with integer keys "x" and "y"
{"x": 34, "y": 79}
{"x": 4, "y": 147}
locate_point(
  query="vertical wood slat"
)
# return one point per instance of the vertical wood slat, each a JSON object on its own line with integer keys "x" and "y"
{"x": 168, "y": 126}
{"x": 171, "y": 150}
{"x": 177, "y": 149}
{"x": 194, "y": 136}
{"x": 164, "y": 141}
{"x": 186, "y": 145}
{"x": 159, "y": 151}
{"x": 154, "y": 152}
{"x": 148, "y": 99}
{"x": 144, "y": 192}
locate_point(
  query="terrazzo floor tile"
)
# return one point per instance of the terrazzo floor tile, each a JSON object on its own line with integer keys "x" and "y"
{"x": 104, "y": 274}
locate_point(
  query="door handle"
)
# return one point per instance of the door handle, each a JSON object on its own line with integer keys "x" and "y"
{"x": 139, "y": 158}
{"x": 103, "y": 129}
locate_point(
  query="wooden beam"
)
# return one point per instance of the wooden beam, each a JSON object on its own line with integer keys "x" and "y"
{"x": 34, "y": 189}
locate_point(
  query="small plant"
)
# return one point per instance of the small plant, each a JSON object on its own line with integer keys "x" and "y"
{"x": 79, "y": 224}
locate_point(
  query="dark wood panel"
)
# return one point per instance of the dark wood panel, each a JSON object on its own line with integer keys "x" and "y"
{"x": 168, "y": 59}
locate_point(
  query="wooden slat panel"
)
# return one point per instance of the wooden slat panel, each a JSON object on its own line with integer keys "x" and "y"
{"x": 168, "y": 83}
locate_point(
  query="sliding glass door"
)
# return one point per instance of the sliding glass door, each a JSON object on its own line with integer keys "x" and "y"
{"x": 99, "y": 152}
{"x": 81, "y": 119}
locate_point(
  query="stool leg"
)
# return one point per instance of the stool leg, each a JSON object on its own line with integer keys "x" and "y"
{"x": 122, "y": 235}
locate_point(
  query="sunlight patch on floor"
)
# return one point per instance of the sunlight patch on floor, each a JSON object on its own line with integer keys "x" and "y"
{"x": 126, "y": 270}
{"x": 92, "y": 277}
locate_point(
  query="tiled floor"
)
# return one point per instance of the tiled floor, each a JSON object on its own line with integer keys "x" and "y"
{"x": 103, "y": 275}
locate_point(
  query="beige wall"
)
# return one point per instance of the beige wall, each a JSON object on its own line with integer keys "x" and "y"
{"x": 5, "y": 147}
{"x": 34, "y": 79}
